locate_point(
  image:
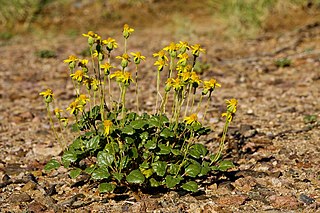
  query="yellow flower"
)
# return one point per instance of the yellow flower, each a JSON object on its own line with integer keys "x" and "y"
{"x": 127, "y": 31}
{"x": 169, "y": 84}
{"x": 196, "y": 49}
{"x": 83, "y": 63}
{"x": 160, "y": 63}
{"x": 125, "y": 59}
{"x": 177, "y": 84}
{"x": 95, "y": 84}
{"x": 193, "y": 118}
{"x": 195, "y": 80}
{"x": 209, "y": 86}
{"x": 137, "y": 57}
{"x": 92, "y": 37}
{"x": 172, "y": 49}
{"x": 75, "y": 108}
{"x": 107, "y": 124}
{"x": 183, "y": 46}
{"x": 47, "y": 95}
{"x": 185, "y": 76}
{"x": 110, "y": 44}
{"x": 232, "y": 105}
{"x": 71, "y": 61}
{"x": 107, "y": 67}
{"x": 82, "y": 99}
{"x": 87, "y": 82}
{"x": 100, "y": 55}
{"x": 231, "y": 109}
{"x": 161, "y": 55}
{"x": 183, "y": 59}
{"x": 181, "y": 68}
{"x": 57, "y": 112}
{"x": 79, "y": 76}
{"x": 127, "y": 78}
{"x": 118, "y": 75}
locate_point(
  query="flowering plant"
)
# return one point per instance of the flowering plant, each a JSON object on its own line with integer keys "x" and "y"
{"x": 120, "y": 147}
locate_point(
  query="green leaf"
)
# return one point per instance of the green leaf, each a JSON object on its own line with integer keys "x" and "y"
{"x": 128, "y": 130}
{"x": 147, "y": 172}
{"x": 144, "y": 165}
{"x": 171, "y": 181}
{"x": 106, "y": 187}
{"x": 154, "y": 183}
{"x": 68, "y": 157}
{"x": 90, "y": 169}
{"x": 173, "y": 169}
{"x": 131, "y": 116}
{"x": 124, "y": 162}
{"x": 100, "y": 173}
{"x": 159, "y": 167}
{"x": 75, "y": 173}
{"x": 134, "y": 152}
{"x": 205, "y": 168}
{"x": 129, "y": 140}
{"x": 93, "y": 143}
{"x": 151, "y": 144}
{"x": 104, "y": 159}
{"x": 166, "y": 133}
{"x": 164, "y": 150}
{"x": 118, "y": 176}
{"x": 193, "y": 170}
{"x": 225, "y": 165}
{"x": 138, "y": 124}
{"x": 176, "y": 151}
{"x": 190, "y": 186}
{"x": 136, "y": 177}
{"x": 112, "y": 148}
{"x": 52, "y": 164}
{"x": 198, "y": 150}
{"x": 144, "y": 136}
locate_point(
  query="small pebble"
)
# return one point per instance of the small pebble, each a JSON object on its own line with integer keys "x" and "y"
{"x": 306, "y": 199}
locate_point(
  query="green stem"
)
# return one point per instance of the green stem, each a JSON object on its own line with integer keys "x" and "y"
{"x": 188, "y": 100}
{"x": 158, "y": 92}
{"x": 52, "y": 126}
{"x": 221, "y": 145}
{"x": 137, "y": 89}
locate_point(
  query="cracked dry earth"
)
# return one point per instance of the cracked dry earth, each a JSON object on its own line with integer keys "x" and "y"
{"x": 274, "y": 146}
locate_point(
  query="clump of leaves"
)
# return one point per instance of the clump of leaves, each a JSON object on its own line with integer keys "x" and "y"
{"x": 283, "y": 62}
{"x": 46, "y": 54}
{"x": 120, "y": 147}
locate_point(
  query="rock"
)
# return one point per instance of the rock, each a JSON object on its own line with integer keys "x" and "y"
{"x": 306, "y": 199}
{"x": 231, "y": 200}
{"x": 18, "y": 198}
{"x": 36, "y": 207}
{"x": 286, "y": 201}
{"x": 29, "y": 186}
{"x": 245, "y": 184}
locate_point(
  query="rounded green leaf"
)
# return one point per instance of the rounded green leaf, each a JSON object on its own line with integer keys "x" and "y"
{"x": 104, "y": 159}
{"x": 75, "y": 173}
{"x": 136, "y": 177}
{"x": 164, "y": 150}
{"x": 173, "y": 169}
{"x": 118, "y": 176}
{"x": 166, "y": 133}
{"x": 159, "y": 167}
{"x": 154, "y": 183}
{"x": 224, "y": 165}
{"x": 68, "y": 157}
{"x": 151, "y": 144}
{"x": 52, "y": 164}
{"x": 93, "y": 143}
{"x": 190, "y": 186}
{"x": 171, "y": 181}
{"x": 100, "y": 173}
{"x": 106, "y": 187}
{"x": 138, "y": 124}
{"x": 193, "y": 170}
{"x": 205, "y": 168}
{"x": 128, "y": 130}
{"x": 198, "y": 150}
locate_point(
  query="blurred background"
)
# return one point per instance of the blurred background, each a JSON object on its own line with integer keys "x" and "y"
{"x": 227, "y": 19}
